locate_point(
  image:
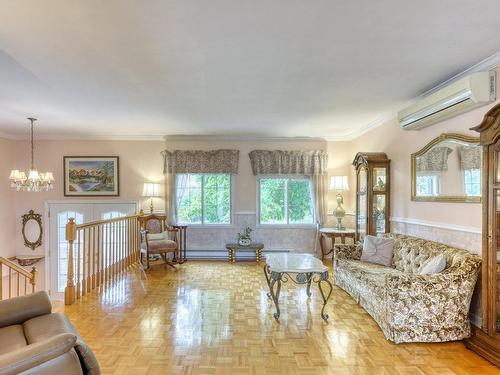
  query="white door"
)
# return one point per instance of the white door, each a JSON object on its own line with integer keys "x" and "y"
{"x": 59, "y": 213}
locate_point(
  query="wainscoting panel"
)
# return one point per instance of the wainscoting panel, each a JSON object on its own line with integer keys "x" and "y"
{"x": 457, "y": 236}
{"x": 213, "y": 239}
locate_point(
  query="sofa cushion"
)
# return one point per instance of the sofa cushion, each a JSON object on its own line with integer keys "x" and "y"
{"x": 12, "y": 338}
{"x": 45, "y": 326}
{"x": 411, "y": 253}
{"x": 378, "y": 250}
{"x": 434, "y": 265}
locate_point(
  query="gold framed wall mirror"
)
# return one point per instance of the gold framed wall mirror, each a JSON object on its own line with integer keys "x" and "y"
{"x": 32, "y": 230}
{"x": 447, "y": 169}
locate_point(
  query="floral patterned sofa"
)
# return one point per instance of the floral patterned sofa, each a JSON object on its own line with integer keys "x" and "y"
{"x": 407, "y": 306}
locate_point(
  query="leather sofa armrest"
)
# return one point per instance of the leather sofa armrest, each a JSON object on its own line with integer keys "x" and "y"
{"x": 35, "y": 354}
{"x": 19, "y": 309}
{"x": 347, "y": 251}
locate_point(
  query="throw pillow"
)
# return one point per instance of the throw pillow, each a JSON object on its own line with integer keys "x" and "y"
{"x": 378, "y": 250}
{"x": 434, "y": 265}
{"x": 156, "y": 236}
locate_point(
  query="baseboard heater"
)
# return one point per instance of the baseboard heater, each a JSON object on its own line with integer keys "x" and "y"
{"x": 222, "y": 254}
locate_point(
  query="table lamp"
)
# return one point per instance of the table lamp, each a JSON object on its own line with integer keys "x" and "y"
{"x": 339, "y": 184}
{"x": 151, "y": 190}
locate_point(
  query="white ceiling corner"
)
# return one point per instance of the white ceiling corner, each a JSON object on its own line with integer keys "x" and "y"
{"x": 277, "y": 69}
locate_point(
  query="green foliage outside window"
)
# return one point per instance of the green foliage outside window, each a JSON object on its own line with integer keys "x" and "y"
{"x": 285, "y": 201}
{"x": 204, "y": 199}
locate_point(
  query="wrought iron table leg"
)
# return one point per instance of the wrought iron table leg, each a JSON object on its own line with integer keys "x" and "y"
{"x": 275, "y": 294}
{"x": 268, "y": 280}
{"x": 325, "y": 297}
{"x": 309, "y": 279}
{"x": 273, "y": 278}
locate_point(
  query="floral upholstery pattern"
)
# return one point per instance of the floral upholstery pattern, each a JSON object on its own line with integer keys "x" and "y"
{"x": 407, "y": 306}
{"x": 153, "y": 226}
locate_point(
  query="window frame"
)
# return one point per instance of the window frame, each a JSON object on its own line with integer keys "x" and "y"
{"x": 437, "y": 183}
{"x": 464, "y": 178}
{"x": 287, "y": 224}
{"x": 203, "y": 224}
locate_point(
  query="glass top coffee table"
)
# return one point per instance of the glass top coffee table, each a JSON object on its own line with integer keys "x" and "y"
{"x": 299, "y": 268}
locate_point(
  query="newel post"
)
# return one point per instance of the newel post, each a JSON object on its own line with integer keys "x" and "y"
{"x": 69, "y": 292}
{"x": 33, "y": 279}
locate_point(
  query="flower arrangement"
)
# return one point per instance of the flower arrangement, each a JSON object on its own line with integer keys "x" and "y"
{"x": 244, "y": 238}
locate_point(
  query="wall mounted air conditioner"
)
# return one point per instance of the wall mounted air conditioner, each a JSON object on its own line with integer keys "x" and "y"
{"x": 460, "y": 96}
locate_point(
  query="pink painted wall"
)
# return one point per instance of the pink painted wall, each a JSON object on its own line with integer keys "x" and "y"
{"x": 399, "y": 145}
{"x": 140, "y": 161}
{"x": 7, "y": 199}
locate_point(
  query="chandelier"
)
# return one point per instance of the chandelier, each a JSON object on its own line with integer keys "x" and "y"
{"x": 35, "y": 181}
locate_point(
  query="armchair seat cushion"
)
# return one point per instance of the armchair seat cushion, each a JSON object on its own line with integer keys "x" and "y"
{"x": 157, "y": 246}
{"x": 12, "y": 338}
{"x": 50, "y": 325}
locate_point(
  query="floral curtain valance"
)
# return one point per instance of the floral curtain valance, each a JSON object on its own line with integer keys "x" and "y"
{"x": 470, "y": 157}
{"x": 435, "y": 160}
{"x": 194, "y": 161}
{"x": 289, "y": 162}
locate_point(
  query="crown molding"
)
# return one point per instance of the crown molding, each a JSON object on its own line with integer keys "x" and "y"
{"x": 237, "y": 138}
{"x": 96, "y": 137}
{"x": 385, "y": 118}
{"x": 487, "y": 64}
{"x": 9, "y": 136}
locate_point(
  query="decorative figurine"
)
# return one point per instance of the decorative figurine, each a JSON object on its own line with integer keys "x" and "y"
{"x": 244, "y": 238}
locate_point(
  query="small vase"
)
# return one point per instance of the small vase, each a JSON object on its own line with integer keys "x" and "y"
{"x": 244, "y": 241}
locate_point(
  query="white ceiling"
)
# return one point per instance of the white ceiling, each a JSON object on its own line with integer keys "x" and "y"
{"x": 128, "y": 68}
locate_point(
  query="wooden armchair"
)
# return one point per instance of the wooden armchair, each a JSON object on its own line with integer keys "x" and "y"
{"x": 157, "y": 237}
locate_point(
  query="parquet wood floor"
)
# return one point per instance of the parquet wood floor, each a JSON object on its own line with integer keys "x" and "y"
{"x": 214, "y": 318}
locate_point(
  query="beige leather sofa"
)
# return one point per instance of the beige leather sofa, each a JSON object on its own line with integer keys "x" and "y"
{"x": 33, "y": 340}
{"x": 410, "y": 307}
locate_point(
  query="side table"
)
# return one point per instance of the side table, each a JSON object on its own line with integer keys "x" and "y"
{"x": 233, "y": 247}
{"x": 182, "y": 239}
{"x": 333, "y": 233}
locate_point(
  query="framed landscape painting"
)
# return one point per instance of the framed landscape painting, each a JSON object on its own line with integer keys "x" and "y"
{"x": 95, "y": 176}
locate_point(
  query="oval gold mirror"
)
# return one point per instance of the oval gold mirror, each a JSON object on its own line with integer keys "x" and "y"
{"x": 447, "y": 169}
{"x": 32, "y": 230}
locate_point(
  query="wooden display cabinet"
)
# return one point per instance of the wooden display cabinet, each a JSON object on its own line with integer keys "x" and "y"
{"x": 373, "y": 182}
{"x": 486, "y": 339}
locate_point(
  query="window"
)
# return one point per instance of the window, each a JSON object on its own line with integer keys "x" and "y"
{"x": 285, "y": 201}
{"x": 203, "y": 198}
{"x": 472, "y": 182}
{"x": 427, "y": 185}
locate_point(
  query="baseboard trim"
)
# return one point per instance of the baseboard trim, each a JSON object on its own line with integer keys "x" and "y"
{"x": 222, "y": 254}
{"x": 434, "y": 224}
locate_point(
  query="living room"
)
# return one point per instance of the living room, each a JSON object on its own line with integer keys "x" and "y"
{"x": 266, "y": 116}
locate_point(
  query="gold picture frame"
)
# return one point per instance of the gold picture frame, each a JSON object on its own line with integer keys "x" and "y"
{"x": 444, "y": 198}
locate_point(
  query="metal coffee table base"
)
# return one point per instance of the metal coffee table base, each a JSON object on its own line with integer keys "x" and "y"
{"x": 274, "y": 280}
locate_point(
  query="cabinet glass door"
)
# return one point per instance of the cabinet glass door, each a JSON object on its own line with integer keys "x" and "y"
{"x": 379, "y": 179}
{"x": 379, "y": 213}
{"x": 362, "y": 204}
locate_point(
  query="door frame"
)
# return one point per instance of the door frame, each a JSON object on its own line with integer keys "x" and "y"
{"x": 46, "y": 232}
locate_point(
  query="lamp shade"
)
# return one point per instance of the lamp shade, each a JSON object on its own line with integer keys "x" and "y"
{"x": 339, "y": 183}
{"x": 151, "y": 189}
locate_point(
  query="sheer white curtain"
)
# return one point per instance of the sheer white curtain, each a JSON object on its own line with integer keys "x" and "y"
{"x": 319, "y": 184}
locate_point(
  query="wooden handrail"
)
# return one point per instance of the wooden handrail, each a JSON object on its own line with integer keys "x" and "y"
{"x": 20, "y": 271}
{"x": 96, "y": 222}
{"x": 97, "y": 252}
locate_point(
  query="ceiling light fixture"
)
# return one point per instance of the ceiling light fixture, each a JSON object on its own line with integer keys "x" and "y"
{"x": 34, "y": 181}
